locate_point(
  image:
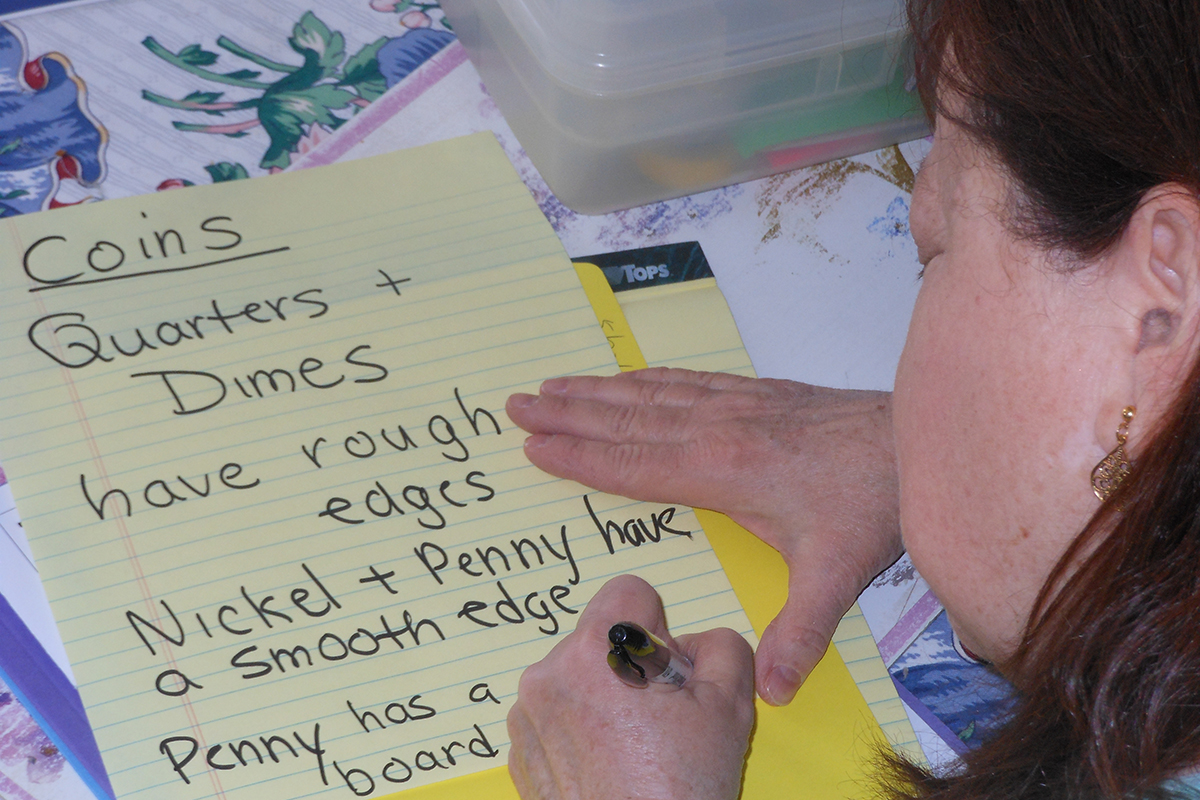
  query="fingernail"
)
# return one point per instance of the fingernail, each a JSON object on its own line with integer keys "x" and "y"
{"x": 535, "y": 441}
{"x": 522, "y": 400}
{"x": 781, "y": 686}
{"x": 554, "y": 386}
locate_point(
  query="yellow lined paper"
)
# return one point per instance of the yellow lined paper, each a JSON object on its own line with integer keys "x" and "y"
{"x": 320, "y": 422}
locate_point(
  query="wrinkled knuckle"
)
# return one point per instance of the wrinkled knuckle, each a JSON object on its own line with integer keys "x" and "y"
{"x": 699, "y": 399}
{"x": 719, "y": 382}
{"x": 622, "y": 421}
{"x": 627, "y": 459}
{"x": 572, "y": 448}
{"x": 657, "y": 394}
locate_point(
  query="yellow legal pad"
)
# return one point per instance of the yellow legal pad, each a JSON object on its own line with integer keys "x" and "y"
{"x": 256, "y": 435}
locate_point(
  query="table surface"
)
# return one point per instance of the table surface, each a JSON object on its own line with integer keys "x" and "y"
{"x": 127, "y": 97}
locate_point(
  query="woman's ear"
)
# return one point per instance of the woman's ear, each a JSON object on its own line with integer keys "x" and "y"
{"x": 1156, "y": 264}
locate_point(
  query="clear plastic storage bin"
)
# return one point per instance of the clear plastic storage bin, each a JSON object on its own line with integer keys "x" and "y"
{"x": 624, "y": 102}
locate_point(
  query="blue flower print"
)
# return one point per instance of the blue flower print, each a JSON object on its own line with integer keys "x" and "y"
{"x": 46, "y": 132}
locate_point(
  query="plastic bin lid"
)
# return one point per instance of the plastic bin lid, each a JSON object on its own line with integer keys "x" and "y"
{"x": 607, "y": 46}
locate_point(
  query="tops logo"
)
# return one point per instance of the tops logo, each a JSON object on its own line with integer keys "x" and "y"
{"x": 628, "y": 273}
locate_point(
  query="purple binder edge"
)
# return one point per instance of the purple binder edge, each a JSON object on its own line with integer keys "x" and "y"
{"x": 50, "y": 699}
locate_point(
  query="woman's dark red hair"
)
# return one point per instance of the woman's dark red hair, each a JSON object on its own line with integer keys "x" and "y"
{"x": 1090, "y": 104}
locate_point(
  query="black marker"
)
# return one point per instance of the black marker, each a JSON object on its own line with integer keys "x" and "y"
{"x": 640, "y": 658}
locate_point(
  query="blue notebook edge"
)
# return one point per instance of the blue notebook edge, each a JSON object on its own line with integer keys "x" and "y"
{"x": 51, "y": 699}
{"x": 929, "y": 718}
{"x": 19, "y": 8}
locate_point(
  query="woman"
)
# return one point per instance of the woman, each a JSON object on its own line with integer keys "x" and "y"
{"x": 1045, "y": 425}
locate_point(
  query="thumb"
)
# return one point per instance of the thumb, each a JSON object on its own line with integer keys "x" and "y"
{"x": 720, "y": 656}
{"x": 797, "y": 639}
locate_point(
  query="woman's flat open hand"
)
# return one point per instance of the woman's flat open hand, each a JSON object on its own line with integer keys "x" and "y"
{"x": 810, "y": 471}
{"x": 579, "y": 733}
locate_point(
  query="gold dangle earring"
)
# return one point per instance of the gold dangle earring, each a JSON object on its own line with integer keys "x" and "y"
{"x": 1114, "y": 468}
